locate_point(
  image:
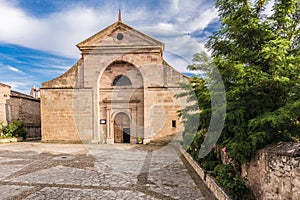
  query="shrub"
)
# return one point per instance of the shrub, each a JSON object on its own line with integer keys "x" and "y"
{"x": 210, "y": 161}
{"x": 13, "y": 129}
{"x": 229, "y": 178}
{"x": 210, "y": 165}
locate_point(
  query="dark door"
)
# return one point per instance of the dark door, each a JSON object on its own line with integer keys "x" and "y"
{"x": 126, "y": 135}
{"x": 122, "y": 128}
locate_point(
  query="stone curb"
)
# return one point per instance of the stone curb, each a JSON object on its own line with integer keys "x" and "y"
{"x": 9, "y": 140}
{"x": 209, "y": 181}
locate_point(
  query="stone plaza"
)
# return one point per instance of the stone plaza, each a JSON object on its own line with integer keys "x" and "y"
{"x": 34, "y": 170}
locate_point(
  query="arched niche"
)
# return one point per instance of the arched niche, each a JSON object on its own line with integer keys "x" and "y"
{"x": 121, "y": 90}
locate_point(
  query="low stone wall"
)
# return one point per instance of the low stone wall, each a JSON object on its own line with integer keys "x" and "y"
{"x": 274, "y": 173}
{"x": 209, "y": 181}
{"x": 215, "y": 188}
{"x": 9, "y": 140}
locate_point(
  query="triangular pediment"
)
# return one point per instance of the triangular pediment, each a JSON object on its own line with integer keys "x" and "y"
{"x": 120, "y": 35}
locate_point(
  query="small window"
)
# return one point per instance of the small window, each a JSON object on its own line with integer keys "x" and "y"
{"x": 121, "y": 80}
{"x": 173, "y": 123}
{"x": 120, "y": 36}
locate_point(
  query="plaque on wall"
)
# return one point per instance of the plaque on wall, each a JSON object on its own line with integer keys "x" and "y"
{"x": 102, "y": 121}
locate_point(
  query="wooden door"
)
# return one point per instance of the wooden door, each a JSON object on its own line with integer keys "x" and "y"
{"x": 122, "y": 128}
{"x": 118, "y": 133}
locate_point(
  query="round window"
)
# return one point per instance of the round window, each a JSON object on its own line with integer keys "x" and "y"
{"x": 120, "y": 36}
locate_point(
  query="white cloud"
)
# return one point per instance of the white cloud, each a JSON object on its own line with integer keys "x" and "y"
{"x": 59, "y": 32}
{"x": 166, "y": 26}
{"x": 181, "y": 54}
{"x": 20, "y": 86}
{"x": 20, "y": 82}
{"x": 16, "y": 26}
{"x": 14, "y": 69}
{"x": 4, "y": 67}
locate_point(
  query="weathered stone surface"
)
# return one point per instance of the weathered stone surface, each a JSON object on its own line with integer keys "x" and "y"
{"x": 274, "y": 172}
{"x": 8, "y": 191}
{"x": 4, "y": 96}
{"x": 77, "y": 171}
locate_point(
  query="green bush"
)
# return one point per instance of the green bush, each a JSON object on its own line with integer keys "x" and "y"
{"x": 210, "y": 165}
{"x": 229, "y": 178}
{"x": 210, "y": 161}
{"x": 13, "y": 129}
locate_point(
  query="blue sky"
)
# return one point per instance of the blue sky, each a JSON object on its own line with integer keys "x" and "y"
{"x": 38, "y": 37}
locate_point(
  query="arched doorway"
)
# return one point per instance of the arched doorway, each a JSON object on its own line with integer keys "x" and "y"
{"x": 121, "y": 91}
{"x": 122, "y": 128}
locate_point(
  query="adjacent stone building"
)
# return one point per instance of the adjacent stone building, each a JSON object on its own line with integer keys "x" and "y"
{"x": 120, "y": 91}
{"x": 18, "y": 106}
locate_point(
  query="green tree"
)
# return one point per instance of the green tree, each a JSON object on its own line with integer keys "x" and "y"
{"x": 204, "y": 117}
{"x": 258, "y": 58}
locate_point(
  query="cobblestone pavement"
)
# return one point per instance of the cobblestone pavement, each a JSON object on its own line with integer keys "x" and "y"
{"x": 32, "y": 170}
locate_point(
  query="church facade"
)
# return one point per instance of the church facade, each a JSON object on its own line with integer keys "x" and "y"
{"x": 120, "y": 91}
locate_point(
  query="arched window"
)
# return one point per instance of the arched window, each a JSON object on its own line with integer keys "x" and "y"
{"x": 121, "y": 80}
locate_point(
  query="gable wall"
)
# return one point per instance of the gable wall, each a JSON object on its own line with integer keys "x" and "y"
{"x": 72, "y": 101}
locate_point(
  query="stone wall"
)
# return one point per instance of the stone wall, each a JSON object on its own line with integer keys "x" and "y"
{"x": 161, "y": 109}
{"x": 18, "y": 106}
{"x": 26, "y": 109}
{"x": 4, "y": 95}
{"x": 207, "y": 179}
{"x": 57, "y": 111}
{"x": 274, "y": 173}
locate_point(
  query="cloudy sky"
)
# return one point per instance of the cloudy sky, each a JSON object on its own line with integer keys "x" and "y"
{"x": 38, "y": 37}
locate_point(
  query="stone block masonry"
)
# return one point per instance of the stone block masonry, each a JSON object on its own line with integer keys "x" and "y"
{"x": 17, "y": 106}
{"x": 274, "y": 173}
{"x": 4, "y": 96}
{"x": 74, "y": 104}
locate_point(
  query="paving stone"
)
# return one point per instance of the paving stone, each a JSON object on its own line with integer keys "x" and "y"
{"x": 98, "y": 172}
{"x": 5, "y": 159}
{"x": 67, "y": 193}
{"x": 6, "y": 170}
{"x": 7, "y": 191}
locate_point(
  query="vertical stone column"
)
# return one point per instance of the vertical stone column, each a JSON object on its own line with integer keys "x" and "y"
{"x": 133, "y": 124}
{"x": 109, "y": 127}
{"x": 95, "y": 117}
{"x": 103, "y": 127}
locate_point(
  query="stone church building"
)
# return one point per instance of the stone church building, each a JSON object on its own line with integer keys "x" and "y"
{"x": 120, "y": 91}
